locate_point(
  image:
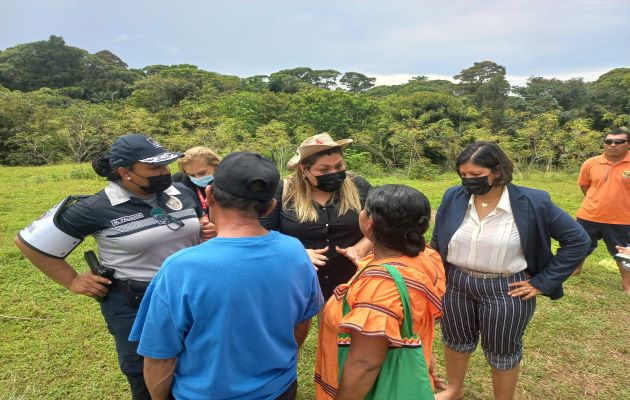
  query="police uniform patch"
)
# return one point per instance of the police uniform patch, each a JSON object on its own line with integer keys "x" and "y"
{"x": 174, "y": 203}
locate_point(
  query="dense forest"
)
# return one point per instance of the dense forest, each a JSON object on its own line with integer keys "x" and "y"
{"x": 62, "y": 104}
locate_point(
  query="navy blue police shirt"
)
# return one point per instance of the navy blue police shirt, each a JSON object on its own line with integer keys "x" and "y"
{"x": 131, "y": 239}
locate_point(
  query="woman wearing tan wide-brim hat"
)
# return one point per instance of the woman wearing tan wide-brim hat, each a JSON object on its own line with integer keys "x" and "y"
{"x": 319, "y": 204}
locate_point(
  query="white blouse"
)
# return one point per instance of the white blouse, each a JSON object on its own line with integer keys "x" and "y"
{"x": 491, "y": 245}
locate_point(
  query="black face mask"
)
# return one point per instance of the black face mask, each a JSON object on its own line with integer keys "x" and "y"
{"x": 478, "y": 185}
{"x": 331, "y": 182}
{"x": 157, "y": 184}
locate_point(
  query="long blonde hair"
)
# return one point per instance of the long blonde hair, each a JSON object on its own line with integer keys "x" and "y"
{"x": 297, "y": 192}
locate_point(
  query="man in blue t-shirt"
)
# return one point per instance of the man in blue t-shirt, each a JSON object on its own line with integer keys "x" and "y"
{"x": 224, "y": 320}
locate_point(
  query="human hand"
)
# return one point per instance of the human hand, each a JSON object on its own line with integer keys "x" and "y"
{"x": 317, "y": 256}
{"x": 439, "y": 383}
{"x": 352, "y": 253}
{"x": 90, "y": 285}
{"x": 208, "y": 229}
{"x": 523, "y": 289}
{"x": 623, "y": 250}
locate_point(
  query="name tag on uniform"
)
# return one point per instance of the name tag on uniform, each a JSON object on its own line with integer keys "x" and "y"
{"x": 125, "y": 219}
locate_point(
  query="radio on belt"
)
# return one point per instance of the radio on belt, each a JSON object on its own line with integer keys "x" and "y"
{"x": 44, "y": 236}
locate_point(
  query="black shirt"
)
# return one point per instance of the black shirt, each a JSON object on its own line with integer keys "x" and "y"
{"x": 330, "y": 230}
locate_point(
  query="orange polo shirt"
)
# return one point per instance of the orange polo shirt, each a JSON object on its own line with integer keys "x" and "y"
{"x": 608, "y": 197}
{"x": 376, "y": 309}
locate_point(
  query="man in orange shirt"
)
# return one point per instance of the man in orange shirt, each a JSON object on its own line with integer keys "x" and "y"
{"x": 605, "y": 210}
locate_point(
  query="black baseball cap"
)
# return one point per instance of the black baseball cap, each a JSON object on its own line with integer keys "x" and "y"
{"x": 132, "y": 148}
{"x": 247, "y": 175}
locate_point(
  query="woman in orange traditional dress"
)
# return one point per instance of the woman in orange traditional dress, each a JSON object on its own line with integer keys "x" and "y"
{"x": 395, "y": 218}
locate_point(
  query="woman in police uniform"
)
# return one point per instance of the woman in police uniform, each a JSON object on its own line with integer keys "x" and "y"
{"x": 138, "y": 220}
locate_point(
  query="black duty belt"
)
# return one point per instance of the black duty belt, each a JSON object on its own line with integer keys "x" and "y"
{"x": 122, "y": 285}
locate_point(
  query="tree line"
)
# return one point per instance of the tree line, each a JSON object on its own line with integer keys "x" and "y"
{"x": 59, "y": 103}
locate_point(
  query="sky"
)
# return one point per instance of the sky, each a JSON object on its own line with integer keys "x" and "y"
{"x": 390, "y": 40}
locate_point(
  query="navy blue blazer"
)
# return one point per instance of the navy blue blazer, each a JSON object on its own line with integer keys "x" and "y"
{"x": 538, "y": 220}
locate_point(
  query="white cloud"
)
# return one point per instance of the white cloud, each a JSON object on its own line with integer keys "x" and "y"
{"x": 391, "y": 79}
{"x": 171, "y": 48}
{"x": 515, "y": 80}
{"x": 399, "y": 79}
{"x": 124, "y": 37}
{"x": 588, "y": 76}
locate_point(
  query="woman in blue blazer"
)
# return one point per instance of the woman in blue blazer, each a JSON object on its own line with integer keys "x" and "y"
{"x": 495, "y": 241}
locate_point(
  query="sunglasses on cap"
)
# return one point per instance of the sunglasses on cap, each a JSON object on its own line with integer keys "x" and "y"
{"x": 166, "y": 219}
{"x": 615, "y": 141}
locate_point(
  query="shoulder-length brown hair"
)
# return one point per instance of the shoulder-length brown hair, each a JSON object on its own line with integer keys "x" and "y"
{"x": 487, "y": 155}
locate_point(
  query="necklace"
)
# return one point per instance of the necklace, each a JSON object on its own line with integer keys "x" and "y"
{"x": 488, "y": 203}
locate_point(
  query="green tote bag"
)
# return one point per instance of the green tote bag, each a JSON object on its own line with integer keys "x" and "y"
{"x": 404, "y": 374}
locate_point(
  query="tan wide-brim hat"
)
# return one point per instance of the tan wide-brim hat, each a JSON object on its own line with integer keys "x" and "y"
{"x": 315, "y": 144}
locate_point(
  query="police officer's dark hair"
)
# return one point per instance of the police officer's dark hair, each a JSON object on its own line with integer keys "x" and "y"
{"x": 250, "y": 206}
{"x": 401, "y": 216}
{"x": 102, "y": 167}
{"x": 622, "y": 130}
{"x": 487, "y": 155}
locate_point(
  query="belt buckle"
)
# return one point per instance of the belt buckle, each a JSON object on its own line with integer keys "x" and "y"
{"x": 489, "y": 275}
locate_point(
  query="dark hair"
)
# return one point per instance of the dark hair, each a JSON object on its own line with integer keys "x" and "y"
{"x": 401, "y": 216}
{"x": 622, "y": 130}
{"x": 487, "y": 155}
{"x": 102, "y": 167}
{"x": 249, "y": 206}
{"x": 312, "y": 159}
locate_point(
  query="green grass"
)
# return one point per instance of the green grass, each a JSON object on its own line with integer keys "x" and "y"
{"x": 54, "y": 345}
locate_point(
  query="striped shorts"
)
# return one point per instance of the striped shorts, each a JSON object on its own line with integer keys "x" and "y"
{"x": 477, "y": 306}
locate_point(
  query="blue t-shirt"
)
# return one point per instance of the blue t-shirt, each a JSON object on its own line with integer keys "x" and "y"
{"x": 227, "y": 310}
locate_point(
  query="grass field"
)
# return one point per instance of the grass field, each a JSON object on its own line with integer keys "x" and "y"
{"x": 54, "y": 344}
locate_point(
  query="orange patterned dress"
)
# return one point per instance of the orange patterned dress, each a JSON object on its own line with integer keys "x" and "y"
{"x": 377, "y": 310}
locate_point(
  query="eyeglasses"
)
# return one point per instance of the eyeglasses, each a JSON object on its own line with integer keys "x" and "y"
{"x": 166, "y": 219}
{"x": 615, "y": 141}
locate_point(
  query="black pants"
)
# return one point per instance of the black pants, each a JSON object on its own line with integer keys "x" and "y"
{"x": 612, "y": 234}
{"x": 119, "y": 316}
{"x": 290, "y": 394}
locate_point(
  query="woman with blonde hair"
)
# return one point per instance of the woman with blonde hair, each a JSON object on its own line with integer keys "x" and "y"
{"x": 196, "y": 171}
{"x": 319, "y": 204}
